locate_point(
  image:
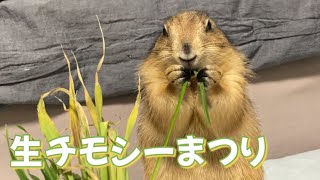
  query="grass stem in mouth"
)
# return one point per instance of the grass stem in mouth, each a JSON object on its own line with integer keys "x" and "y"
{"x": 172, "y": 123}
{"x": 175, "y": 115}
{"x": 203, "y": 99}
{"x": 204, "y": 102}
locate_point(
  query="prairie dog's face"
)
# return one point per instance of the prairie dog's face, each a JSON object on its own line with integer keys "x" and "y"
{"x": 191, "y": 39}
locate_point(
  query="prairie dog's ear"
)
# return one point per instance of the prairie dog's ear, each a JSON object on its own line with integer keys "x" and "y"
{"x": 209, "y": 25}
{"x": 165, "y": 31}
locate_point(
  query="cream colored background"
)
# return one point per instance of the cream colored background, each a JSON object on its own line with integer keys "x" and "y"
{"x": 287, "y": 99}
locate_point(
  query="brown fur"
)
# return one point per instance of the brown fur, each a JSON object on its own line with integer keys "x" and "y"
{"x": 231, "y": 112}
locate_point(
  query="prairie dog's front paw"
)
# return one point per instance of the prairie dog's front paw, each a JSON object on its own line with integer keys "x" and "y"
{"x": 209, "y": 75}
{"x": 177, "y": 75}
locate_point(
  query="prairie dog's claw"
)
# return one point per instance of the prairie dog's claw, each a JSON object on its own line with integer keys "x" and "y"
{"x": 209, "y": 76}
{"x": 177, "y": 74}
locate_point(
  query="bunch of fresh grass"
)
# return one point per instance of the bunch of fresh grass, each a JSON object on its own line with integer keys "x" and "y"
{"x": 79, "y": 127}
{"x": 175, "y": 115}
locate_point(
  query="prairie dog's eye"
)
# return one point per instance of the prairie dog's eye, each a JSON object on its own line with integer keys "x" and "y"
{"x": 208, "y": 26}
{"x": 164, "y": 31}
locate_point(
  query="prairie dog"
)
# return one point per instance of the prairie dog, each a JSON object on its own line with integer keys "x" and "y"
{"x": 192, "y": 41}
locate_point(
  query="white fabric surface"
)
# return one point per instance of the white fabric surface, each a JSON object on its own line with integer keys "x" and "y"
{"x": 304, "y": 166}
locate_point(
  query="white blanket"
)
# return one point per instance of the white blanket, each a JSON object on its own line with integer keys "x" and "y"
{"x": 304, "y": 166}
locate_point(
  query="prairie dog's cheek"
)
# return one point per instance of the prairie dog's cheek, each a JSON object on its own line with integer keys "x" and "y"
{"x": 176, "y": 48}
{"x": 197, "y": 46}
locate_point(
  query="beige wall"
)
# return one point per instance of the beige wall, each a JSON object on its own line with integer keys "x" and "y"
{"x": 287, "y": 99}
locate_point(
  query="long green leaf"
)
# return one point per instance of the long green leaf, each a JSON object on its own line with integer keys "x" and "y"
{"x": 113, "y": 171}
{"x": 49, "y": 172}
{"x": 104, "y": 174}
{"x": 98, "y": 100}
{"x": 89, "y": 103}
{"x": 172, "y": 123}
{"x": 48, "y": 128}
{"x": 33, "y": 177}
{"x": 131, "y": 122}
{"x": 97, "y": 89}
{"x": 133, "y": 115}
{"x": 204, "y": 102}
{"x": 21, "y": 173}
{"x": 84, "y": 132}
{"x": 74, "y": 120}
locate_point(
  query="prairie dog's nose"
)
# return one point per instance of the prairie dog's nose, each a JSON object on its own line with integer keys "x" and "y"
{"x": 186, "y": 48}
{"x": 186, "y": 53}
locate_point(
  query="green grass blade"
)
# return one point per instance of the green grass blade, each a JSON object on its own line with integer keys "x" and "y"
{"x": 204, "y": 102}
{"x": 50, "y": 172}
{"x": 97, "y": 89}
{"x": 48, "y": 128}
{"x": 104, "y": 174}
{"x": 70, "y": 176}
{"x": 172, "y": 123}
{"x": 89, "y": 103}
{"x": 74, "y": 119}
{"x": 133, "y": 115}
{"x": 21, "y": 173}
{"x": 127, "y": 174}
{"x": 103, "y": 47}
{"x": 84, "y": 132}
{"x": 112, "y": 169}
{"x": 121, "y": 174}
{"x": 33, "y": 177}
{"x": 22, "y": 128}
{"x": 84, "y": 124}
{"x": 98, "y": 100}
{"x": 130, "y": 125}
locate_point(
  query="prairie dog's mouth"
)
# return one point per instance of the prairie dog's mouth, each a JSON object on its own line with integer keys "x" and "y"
{"x": 191, "y": 65}
{"x": 188, "y": 59}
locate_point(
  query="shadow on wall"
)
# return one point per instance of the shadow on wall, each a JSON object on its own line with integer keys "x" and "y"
{"x": 311, "y": 67}
{"x": 18, "y": 114}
